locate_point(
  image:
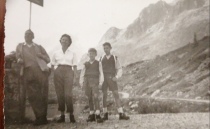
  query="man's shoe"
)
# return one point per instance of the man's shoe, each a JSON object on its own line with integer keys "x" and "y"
{"x": 99, "y": 119}
{"x": 71, "y": 117}
{"x": 40, "y": 122}
{"x": 91, "y": 118}
{"x": 105, "y": 116}
{"x": 61, "y": 119}
{"x": 122, "y": 116}
{"x": 25, "y": 121}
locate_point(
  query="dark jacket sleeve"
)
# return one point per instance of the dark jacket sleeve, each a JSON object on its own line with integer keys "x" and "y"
{"x": 18, "y": 51}
{"x": 45, "y": 56}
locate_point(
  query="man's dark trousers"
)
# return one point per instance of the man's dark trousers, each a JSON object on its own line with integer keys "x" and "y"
{"x": 36, "y": 87}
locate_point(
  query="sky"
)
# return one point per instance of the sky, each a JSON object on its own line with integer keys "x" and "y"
{"x": 86, "y": 21}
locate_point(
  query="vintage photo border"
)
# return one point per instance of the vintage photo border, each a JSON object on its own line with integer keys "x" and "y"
{"x": 2, "y": 36}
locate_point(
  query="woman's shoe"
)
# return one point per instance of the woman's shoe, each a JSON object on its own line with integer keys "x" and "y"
{"x": 91, "y": 118}
{"x": 122, "y": 116}
{"x": 61, "y": 119}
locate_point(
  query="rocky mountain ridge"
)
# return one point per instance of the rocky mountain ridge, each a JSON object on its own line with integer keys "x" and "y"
{"x": 159, "y": 29}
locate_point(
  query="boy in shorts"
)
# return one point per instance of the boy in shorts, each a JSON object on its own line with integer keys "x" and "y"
{"x": 91, "y": 78}
{"x": 112, "y": 72}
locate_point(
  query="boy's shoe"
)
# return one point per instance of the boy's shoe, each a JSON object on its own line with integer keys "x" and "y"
{"x": 99, "y": 119}
{"x": 122, "y": 116}
{"x": 105, "y": 116}
{"x": 91, "y": 118}
{"x": 61, "y": 119}
{"x": 71, "y": 117}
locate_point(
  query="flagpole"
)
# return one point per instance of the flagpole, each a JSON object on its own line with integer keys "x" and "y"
{"x": 30, "y": 15}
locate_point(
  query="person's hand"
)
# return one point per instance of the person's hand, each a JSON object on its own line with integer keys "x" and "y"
{"x": 114, "y": 79}
{"x": 20, "y": 61}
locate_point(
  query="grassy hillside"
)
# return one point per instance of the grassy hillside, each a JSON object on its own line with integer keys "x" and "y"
{"x": 182, "y": 73}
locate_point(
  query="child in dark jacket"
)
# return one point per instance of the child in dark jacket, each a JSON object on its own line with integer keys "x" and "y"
{"x": 91, "y": 79}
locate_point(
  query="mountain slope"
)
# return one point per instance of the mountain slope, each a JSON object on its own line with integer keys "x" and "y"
{"x": 182, "y": 73}
{"x": 159, "y": 29}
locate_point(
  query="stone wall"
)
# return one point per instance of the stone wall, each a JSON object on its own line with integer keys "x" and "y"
{"x": 12, "y": 90}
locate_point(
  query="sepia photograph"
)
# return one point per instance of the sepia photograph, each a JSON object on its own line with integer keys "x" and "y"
{"x": 106, "y": 64}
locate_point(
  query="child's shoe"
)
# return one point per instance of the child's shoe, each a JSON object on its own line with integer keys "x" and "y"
{"x": 91, "y": 118}
{"x": 122, "y": 116}
{"x": 99, "y": 119}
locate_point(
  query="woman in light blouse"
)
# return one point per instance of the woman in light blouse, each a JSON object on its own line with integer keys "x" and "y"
{"x": 64, "y": 65}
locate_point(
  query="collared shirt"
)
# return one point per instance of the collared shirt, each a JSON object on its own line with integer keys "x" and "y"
{"x": 108, "y": 56}
{"x": 29, "y": 45}
{"x": 101, "y": 75}
{"x": 61, "y": 58}
{"x": 118, "y": 66}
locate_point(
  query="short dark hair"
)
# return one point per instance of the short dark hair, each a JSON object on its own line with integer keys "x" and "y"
{"x": 30, "y": 31}
{"x": 68, "y": 36}
{"x": 92, "y": 50}
{"x": 107, "y": 44}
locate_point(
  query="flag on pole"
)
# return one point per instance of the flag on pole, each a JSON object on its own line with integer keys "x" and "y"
{"x": 38, "y": 2}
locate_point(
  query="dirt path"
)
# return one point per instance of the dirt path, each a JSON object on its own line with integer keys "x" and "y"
{"x": 126, "y": 95}
{"x": 180, "y": 99}
{"x": 149, "y": 121}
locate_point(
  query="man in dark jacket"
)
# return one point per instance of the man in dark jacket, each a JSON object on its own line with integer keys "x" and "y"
{"x": 34, "y": 72}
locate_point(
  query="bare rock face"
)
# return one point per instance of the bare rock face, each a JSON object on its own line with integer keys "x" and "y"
{"x": 111, "y": 35}
{"x": 183, "y": 5}
{"x": 160, "y": 28}
{"x": 148, "y": 17}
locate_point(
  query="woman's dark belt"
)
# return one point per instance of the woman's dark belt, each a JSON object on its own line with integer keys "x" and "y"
{"x": 69, "y": 66}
